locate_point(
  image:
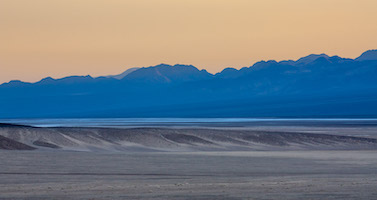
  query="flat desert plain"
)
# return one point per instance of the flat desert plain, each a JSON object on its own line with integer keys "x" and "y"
{"x": 189, "y": 175}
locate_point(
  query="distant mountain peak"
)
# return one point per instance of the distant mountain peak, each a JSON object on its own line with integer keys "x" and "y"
{"x": 76, "y": 77}
{"x": 164, "y": 65}
{"x": 228, "y": 73}
{"x": 228, "y": 69}
{"x": 73, "y": 79}
{"x": 123, "y": 74}
{"x": 49, "y": 78}
{"x": 310, "y": 58}
{"x": 14, "y": 83}
{"x": 168, "y": 73}
{"x": 159, "y": 65}
{"x": 46, "y": 80}
{"x": 368, "y": 55}
{"x": 263, "y": 64}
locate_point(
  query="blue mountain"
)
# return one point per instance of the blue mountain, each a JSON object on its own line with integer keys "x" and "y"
{"x": 368, "y": 55}
{"x": 313, "y": 86}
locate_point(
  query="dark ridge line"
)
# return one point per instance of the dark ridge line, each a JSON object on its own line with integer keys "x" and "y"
{"x": 9, "y": 125}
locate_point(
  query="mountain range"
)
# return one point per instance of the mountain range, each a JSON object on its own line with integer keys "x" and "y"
{"x": 313, "y": 86}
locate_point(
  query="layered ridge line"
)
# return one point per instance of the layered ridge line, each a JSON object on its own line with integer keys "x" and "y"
{"x": 172, "y": 139}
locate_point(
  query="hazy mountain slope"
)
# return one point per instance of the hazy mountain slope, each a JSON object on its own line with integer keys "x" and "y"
{"x": 125, "y": 73}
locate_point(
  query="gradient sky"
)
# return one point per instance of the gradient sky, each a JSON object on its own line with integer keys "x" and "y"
{"x": 40, "y": 38}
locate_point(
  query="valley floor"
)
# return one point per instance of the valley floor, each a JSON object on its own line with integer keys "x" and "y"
{"x": 188, "y": 175}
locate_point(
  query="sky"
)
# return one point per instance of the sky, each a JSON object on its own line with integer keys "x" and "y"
{"x": 41, "y": 38}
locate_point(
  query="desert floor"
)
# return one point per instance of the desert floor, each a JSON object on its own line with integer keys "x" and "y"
{"x": 188, "y": 175}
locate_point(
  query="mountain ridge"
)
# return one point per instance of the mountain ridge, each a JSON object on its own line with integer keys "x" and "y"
{"x": 315, "y": 85}
{"x": 368, "y": 55}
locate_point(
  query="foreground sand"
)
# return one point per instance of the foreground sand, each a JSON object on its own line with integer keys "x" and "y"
{"x": 195, "y": 175}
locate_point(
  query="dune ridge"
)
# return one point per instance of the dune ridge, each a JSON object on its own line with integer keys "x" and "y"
{"x": 173, "y": 139}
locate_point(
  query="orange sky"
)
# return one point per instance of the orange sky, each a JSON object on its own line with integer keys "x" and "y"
{"x": 40, "y": 38}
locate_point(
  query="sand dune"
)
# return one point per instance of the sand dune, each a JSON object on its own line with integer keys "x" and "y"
{"x": 9, "y": 144}
{"x": 172, "y": 139}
